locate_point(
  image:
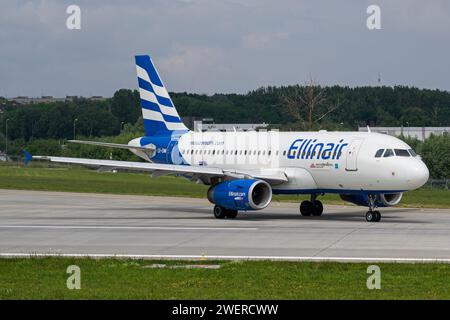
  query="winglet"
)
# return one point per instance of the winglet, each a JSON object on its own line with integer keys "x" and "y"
{"x": 27, "y": 157}
{"x": 368, "y": 129}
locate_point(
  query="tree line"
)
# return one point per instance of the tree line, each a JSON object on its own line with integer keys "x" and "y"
{"x": 44, "y": 127}
{"x": 338, "y": 108}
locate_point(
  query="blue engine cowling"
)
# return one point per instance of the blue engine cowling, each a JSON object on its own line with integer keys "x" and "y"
{"x": 244, "y": 194}
{"x": 381, "y": 200}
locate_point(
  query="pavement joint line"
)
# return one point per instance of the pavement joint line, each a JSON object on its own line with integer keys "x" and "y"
{"x": 124, "y": 227}
{"x": 227, "y": 257}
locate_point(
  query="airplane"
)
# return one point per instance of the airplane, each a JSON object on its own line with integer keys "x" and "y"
{"x": 244, "y": 169}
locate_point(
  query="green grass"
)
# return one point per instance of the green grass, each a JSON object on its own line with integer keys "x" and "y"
{"x": 45, "y": 278}
{"x": 83, "y": 180}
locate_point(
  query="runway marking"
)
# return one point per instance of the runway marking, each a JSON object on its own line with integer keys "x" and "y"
{"x": 123, "y": 227}
{"x": 225, "y": 257}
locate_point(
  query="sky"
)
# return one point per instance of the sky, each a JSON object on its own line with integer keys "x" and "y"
{"x": 221, "y": 46}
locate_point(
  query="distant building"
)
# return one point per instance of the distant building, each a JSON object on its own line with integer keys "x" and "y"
{"x": 420, "y": 133}
{"x": 209, "y": 125}
{"x": 24, "y": 100}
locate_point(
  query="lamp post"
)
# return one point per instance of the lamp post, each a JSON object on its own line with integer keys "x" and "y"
{"x": 6, "y": 138}
{"x": 121, "y": 126}
{"x": 74, "y": 128}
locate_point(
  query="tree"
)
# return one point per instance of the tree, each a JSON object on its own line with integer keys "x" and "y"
{"x": 125, "y": 106}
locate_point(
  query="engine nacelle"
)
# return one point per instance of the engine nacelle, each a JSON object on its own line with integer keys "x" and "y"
{"x": 243, "y": 194}
{"x": 381, "y": 200}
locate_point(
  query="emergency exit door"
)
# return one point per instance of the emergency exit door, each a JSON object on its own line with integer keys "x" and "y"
{"x": 352, "y": 155}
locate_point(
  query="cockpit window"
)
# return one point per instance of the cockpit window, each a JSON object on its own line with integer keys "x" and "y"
{"x": 388, "y": 153}
{"x": 379, "y": 153}
{"x": 401, "y": 153}
{"x": 412, "y": 152}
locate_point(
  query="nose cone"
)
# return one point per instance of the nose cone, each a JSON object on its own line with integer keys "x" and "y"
{"x": 419, "y": 175}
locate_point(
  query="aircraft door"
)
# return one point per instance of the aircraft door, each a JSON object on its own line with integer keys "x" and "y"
{"x": 352, "y": 155}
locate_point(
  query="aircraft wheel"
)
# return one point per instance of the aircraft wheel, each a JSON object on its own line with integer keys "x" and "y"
{"x": 373, "y": 216}
{"x": 377, "y": 216}
{"x": 318, "y": 208}
{"x": 219, "y": 212}
{"x": 231, "y": 214}
{"x": 306, "y": 208}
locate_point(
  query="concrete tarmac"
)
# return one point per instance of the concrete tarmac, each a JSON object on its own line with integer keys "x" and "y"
{"x": 34, "y": 222}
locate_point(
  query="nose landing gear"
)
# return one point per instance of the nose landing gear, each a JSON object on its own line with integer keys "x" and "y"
{"x": 311, "y": 208}
{"x": 372, "y": 215}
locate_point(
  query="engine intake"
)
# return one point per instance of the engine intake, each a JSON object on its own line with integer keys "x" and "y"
{"x": 243, "y": 194}
{"x": 381, "y": 200}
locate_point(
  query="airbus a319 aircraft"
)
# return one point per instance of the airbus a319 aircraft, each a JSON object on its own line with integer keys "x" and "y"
{"x": 244, "y": 169}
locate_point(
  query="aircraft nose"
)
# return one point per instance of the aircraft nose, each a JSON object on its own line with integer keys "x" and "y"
{"x": 419, "y": 175}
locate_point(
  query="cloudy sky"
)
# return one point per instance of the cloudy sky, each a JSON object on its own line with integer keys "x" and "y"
{"x": 209, "y": 46}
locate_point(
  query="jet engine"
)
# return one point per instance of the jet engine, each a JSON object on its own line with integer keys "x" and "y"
{"x": 381, "y": 200}
{"x": 242, "y": 194}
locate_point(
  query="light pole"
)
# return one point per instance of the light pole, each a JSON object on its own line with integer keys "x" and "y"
{"x": 74, "y": 128}
{"x": 121, "y": 126}
{"x": 6, "y": 138}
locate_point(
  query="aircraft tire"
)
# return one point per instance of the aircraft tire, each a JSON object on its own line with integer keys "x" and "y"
{"x": 306, "y": 208}
{"x": 231, "y": 214}
{"x": 318, "y": 208}
{"x": 219, "y": 212}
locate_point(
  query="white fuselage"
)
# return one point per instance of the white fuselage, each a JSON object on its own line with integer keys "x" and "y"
{"x": 337, "y": 162}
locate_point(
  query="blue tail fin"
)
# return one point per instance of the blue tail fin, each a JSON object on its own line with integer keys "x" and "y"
{"x": 27, "y": 157}
{"x": 158, "y": 111}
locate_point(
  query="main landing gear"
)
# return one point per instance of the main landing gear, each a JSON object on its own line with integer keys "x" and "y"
{"x": 221, "y": 212}
{"x": 372, "y": 215}
{"x": 311, "y": 208}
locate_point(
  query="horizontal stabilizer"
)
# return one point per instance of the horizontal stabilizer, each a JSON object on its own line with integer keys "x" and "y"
{"x": 111, "y": 145}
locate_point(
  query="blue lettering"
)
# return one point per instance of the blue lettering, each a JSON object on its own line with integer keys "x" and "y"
{"x": 319, "y": 152}
{"x": 327, "y": 152}
{"x": 309, "y": 154}
{"x": 340, "y": 149}
{"x": 291, "y": 155}
{"x": 300, "y": 150}
{"x": 307, "y": 149}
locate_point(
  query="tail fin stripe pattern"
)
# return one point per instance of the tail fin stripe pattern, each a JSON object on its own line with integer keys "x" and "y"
{"x": 145, "y": 63}
{"x": 147, "y": 105}
{"x": 147, "y": 96}
{"x": 147, "y": 86}
{"x": 151, "y": 118}
{"x": 158, "y": 87}
{"x": 158, "y": 111}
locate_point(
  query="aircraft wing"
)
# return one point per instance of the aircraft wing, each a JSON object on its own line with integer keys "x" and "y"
{"x": 204, "y": 173}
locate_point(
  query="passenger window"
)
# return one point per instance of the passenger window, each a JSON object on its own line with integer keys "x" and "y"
{"x": 379, "y": 153}
{"x": 412, "y": 153}
{"x": 284, "y": 152}
{"x": 388, "y": 153}
{"x": 401, "y": 153}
